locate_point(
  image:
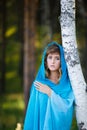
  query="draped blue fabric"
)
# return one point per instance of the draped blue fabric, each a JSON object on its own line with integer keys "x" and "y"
{"x": 54, "y": 112}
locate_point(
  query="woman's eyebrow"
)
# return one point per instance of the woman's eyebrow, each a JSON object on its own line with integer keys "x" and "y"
{"x": 56, "y": 55}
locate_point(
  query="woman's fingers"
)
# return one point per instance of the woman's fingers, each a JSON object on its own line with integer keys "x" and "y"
{"x": 36, "y": 86}
{"x": 42, "y": 88}
{"x": 39, "y": 86}
{"x": 38, "y": 83}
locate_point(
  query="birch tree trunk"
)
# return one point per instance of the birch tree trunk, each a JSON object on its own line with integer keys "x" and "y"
{"x": 67, "y": 21}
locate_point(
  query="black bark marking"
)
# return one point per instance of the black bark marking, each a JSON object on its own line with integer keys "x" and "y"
{"x": 67, "y": 13}
{"x": 81, "y": 125}
{"x": 86, "y": 89}
{"x": 71, "y": 56}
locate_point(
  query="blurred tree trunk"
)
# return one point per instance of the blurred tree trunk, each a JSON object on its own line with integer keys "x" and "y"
{"x": 3, "y": 51}
{"x": 85, "y": 50}
{"x": 54, "y": 13}
{"x": 30, "y": 8}
{"x": 0, "y": 40}
{"x": 21, "y": 38}
{"x": 45, "y": 21}
{"x": 67, "y": 22}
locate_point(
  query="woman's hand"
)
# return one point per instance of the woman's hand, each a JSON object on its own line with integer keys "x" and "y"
{"x": 42, "y": 88}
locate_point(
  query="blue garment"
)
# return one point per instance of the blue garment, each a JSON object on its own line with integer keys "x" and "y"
{"x": 54, "y": 112}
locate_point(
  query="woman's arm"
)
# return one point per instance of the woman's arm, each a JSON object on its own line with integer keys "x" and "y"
{"x": 43, "y": 88}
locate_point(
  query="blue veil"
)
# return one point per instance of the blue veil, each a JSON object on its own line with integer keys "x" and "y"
{"x": 54, "y": 112}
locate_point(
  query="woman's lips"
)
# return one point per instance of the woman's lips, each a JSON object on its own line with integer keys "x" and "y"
{"x": 52, "y": 65}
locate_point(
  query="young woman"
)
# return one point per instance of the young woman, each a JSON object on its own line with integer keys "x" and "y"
{"x": 51, "y": 100}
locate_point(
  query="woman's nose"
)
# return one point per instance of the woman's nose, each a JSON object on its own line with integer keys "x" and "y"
{"x": 53, "y": 60}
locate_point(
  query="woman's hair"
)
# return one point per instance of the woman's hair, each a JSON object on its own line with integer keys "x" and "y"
{"x": 51, "y": 49}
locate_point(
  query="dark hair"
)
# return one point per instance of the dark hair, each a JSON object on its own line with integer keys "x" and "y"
{"x": 51, "y": 49}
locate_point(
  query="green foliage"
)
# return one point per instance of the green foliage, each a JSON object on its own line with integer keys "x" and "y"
{"x": 74, "y": 124}
{"x": 11, "y": 111}
{"x": 12, "y": 102}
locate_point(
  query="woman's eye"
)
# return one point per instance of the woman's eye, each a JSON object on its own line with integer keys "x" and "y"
{"x": 57, "y": 58}
{"x": 50, "y": 57}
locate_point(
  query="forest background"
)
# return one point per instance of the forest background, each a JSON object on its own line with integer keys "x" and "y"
{"x": 26, "y": 26}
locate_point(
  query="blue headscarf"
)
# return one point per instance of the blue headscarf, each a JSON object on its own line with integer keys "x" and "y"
{"x": 55, "y": 112}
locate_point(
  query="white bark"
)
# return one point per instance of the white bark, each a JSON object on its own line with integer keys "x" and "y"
{"x": 67, "y": 21}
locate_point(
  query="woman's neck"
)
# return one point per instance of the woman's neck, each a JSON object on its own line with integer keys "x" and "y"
{"x": 54, "y": 77}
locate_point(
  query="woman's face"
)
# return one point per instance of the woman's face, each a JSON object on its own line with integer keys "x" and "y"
{"x": 53, "y": 61}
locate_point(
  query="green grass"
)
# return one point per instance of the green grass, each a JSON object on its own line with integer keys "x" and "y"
{"x": 12, "y": 101}
{"x": 11, "y": 111}
{"x": 74, "y": 124}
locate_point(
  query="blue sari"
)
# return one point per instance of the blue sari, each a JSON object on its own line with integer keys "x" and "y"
{"x": 54, "y": 112}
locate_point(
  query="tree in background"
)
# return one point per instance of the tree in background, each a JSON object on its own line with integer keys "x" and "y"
{"x": 30, "y": 8}
{"x": 67, "y": 22}
{"x": 3, "y": 47}
{"x": 44, "y": 21}
{"x": 83, "y": 11}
